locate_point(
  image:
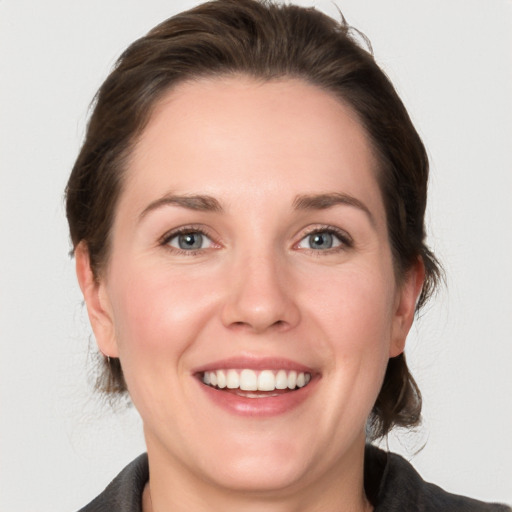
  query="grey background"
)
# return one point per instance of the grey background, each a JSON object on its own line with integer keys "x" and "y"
{"x": 451, "y": 62}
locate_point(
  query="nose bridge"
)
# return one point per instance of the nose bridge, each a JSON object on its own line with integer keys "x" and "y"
{"x": 260, "y": 291}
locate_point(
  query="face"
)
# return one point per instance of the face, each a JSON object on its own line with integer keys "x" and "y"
{"x": 250, "y": 292}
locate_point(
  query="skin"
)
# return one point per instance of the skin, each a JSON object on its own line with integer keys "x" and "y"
{"x": 256, "y": 288}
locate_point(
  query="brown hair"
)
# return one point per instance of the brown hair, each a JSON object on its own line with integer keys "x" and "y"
{"x": 265, "y": 41}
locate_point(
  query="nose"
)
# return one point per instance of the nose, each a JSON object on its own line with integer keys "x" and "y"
{"x": 260, "y": 295}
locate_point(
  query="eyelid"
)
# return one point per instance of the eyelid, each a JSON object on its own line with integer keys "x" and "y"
{"x": 342, "y": 235}
{"x": 187, "y": 228}
{"x": 346, "y": 240}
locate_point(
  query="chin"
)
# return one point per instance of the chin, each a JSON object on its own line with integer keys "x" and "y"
{"x": 267, "y": 474}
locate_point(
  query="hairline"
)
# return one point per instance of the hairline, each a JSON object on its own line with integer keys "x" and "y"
{"x": 163, "y": 95}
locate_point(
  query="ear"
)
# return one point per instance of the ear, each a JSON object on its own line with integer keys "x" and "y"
{"x": 405, "y": 306}
{"x": 96, "y": 300}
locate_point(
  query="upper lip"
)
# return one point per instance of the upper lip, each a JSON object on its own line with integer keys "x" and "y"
{"x": 254, "y": 363}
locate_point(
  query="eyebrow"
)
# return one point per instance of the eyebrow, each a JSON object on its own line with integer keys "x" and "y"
{"x": 200, "y": 203}
{"x": 205, "y": 203}
{"x": 325, "y": 201}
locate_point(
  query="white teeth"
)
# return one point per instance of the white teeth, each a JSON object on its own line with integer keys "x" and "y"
{"x": 281, "y": 380}
{"x": 266, "y": 381}
{"x": 292, "y": 380}
{"x": 221, "y": 379}
{"x": 233, "y": 380}
{"x": 250, "y": 380}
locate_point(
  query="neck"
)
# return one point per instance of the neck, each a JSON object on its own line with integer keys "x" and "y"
{"x": 363, "y": 506}
{"x": 250, "y": 505}
{"x": 172, "y": 487}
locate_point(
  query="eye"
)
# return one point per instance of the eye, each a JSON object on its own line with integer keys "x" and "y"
{"x": 324, "y": 240}
{"x": 189, "y": 241}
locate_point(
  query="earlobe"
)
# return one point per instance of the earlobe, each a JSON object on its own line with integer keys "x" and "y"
{"x": 406, "y": 306}
{"x": 98, "y": 307}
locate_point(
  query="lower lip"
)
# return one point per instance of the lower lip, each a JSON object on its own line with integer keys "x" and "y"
{"x": 259, "y": 407}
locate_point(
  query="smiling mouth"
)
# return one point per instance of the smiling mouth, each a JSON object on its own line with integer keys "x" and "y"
{"x": 256, "y": 384}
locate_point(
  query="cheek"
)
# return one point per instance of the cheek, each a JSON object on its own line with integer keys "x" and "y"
{"x": 157, "y": 315}
{"x": 356, "y": 316}
{"x": 355, "y": 305}
{"x": 351, "y": 318}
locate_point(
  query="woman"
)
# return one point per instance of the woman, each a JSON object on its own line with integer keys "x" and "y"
{"x": 247, "y": 214}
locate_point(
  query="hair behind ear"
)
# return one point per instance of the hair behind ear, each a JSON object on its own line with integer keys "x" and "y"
{"x": 399, "y": 401}
{"x": 97, "y": 302}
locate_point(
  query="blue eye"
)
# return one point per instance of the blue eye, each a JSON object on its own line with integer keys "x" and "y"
{"x": 190, "y": 241}
{"x": 322, "y": 241}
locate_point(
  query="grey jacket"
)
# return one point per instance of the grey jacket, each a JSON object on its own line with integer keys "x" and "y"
{"x": 391, "y": 484}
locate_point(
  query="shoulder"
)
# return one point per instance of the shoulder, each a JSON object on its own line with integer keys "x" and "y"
{"x": 124, "y": 493}
{"x": 394, "y": 485}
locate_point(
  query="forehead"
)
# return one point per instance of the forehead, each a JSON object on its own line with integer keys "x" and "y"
{"x": 228, "y": 135}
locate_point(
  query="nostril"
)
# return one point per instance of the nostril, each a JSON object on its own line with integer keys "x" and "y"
{"x": 278, "y": 325}
{"x": 240, "y": 326}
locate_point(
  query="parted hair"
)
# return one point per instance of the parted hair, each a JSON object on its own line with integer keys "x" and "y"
{"x": 266, "y": 41}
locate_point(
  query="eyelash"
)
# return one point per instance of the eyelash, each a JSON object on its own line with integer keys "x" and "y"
{"x": 185, "y": 230}
{"x": 346, "y": 241}
{"x": 344, "y": 238}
